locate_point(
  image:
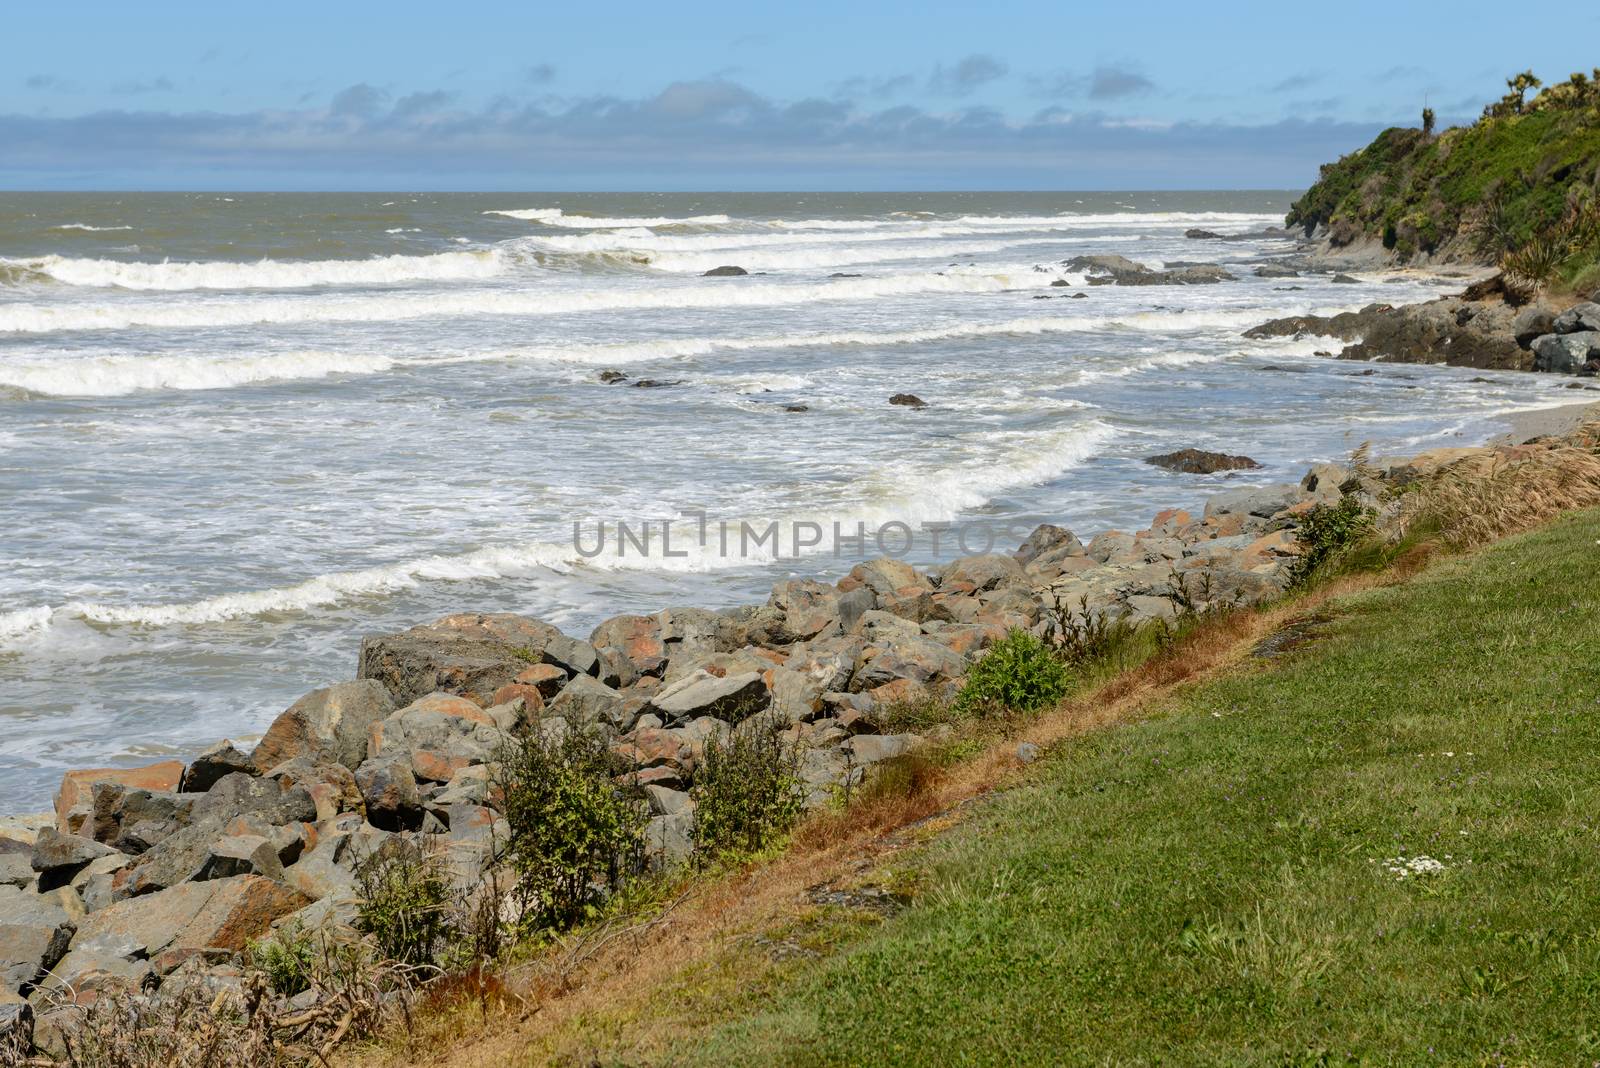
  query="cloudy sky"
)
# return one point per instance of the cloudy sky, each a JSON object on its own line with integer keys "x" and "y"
{"x": 746, "y": 95}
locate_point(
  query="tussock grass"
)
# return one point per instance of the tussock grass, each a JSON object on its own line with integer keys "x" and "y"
{"x": 1478, "y": 499}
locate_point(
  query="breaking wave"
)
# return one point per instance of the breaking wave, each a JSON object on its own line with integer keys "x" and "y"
{"x": 263, "y": 274}
{"x": 999, "y": 461}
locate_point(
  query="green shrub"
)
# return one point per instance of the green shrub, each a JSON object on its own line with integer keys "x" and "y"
{"x": 1327, "y": 532}
{"x": 284, "y": 959}
{"x": 1019, "y": 673}
{"x": 405, "y": 902}
{"x": 1083, "y": 638}
{"x": 575, "y": 825}
{"x": 747, "y": 791}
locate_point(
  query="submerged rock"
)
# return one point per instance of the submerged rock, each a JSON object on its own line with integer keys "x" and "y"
{"x": 728, "y": 271}
{"x": 908, "y": 400}
{"x": 1111, "y": 269}
{"x": 1200, "y": 462}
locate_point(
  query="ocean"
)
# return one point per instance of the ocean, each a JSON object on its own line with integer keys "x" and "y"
{"x": 240, "y": 431}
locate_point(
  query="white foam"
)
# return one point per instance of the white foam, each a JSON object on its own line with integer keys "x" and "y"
{"x": 265, "y": 274}
{"x": 908, "y": 494}
{"x": 24, "y": 620}
{"x": 46, "y": 318}
{"x": 1152, "y": 363}
{"x": 836, "y": 255}
{"x": 87, "y": 228}
{"x": 113, "y": 376}
{"x": 557, "y": 217}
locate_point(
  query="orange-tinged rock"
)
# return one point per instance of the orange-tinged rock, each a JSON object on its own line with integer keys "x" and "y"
{"x": 75, "y": 799}
{"x": 532, "y": 698}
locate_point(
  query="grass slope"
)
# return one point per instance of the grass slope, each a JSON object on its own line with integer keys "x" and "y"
{"x": 1212, "y": 885}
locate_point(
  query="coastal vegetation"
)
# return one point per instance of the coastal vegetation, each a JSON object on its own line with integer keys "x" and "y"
{"x": 1341, "y": 828}
{"x": 1516, "y": 188}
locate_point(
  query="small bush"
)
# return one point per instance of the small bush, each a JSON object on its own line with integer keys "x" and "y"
{"x": 405, "y": 902}
{"x": 1019, "y": 673}
{"x": 747, "y": 791}
{"x": 575, "y": 831}
{"x": 1327, "y": 532}
{"x": 916, "y": 713}
{"x": 1084, "y": 638}
{"x": 285, "y": 959}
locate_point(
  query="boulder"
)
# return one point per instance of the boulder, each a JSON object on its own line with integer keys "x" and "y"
{"x": 873, "y": 748}
{"x": 796, "y": 696}
{"x": 1110, "y": 269}
{"x": 1533, "y": 322}
{"x": 332, "y": 786}
{"x": 16, "y": 869}
{"x": 1199, "y": 462}
{"x": 471, "y": 654}
{"x": 918, "y": 607}
{"x": 668, "y": 840}
{"x": 270, "y": 800}
{"x": 1578, "y": 319}
{"x": 1261, "y": 503}
{"x": 727, "y": 271}
{"x": 1565, "y": 353}
{"x": 132, "y": 820}
{"x": 1048, "y": 540}
{"x": 390, "y": 792}
{"x": 216, "y": 914}
{"x": 35, "y": 933}
{"x": 638, "y": 638}
{"x": 730, "y": 698}
{"x": 922, "y": 660}
{"x": 211, "y": 765}
{"x": 984, "y": 572}
{"x": 330, "y": 725}
{"x": 571, "y": 655}
{"x": 1276, "y": 270}
{"x": 908, "y": 400}
{"x": 1197, "y": 234}
{"x": 74, "y": 803}
{"x": 587, "y": 700}
{"x": 885, "y": 575}
{"x": 665, "y": 802}
{"x": 241, "y": 854}
{"x": 58, "y": 857}
{"x": 695, "y": 632}
{"x": 806, "y": 608}
{"x": 436, "y": 731}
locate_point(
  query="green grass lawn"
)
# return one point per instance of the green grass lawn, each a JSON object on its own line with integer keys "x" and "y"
{"x": 1221, "y": 883}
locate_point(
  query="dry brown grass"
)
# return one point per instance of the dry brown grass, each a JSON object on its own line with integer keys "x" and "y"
{"x": 1478, "y": 499}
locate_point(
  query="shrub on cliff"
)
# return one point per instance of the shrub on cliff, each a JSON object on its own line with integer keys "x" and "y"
{"x": 747, "y": 792}
{"x": 1019, "y": 673}
{"x": 575, "y": 832}
{"x": 1327, "y": 532}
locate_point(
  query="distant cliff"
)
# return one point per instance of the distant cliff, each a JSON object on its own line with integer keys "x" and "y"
{"x": 1518, "y": 188}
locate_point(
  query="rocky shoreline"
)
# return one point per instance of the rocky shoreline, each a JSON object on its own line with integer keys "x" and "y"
{"x": 156, "y": 878}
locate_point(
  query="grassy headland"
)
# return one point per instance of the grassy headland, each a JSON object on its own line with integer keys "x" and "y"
{"x": 1517, "y": 187}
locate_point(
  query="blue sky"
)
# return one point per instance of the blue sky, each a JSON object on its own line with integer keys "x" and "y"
{"x": 819, "y": 95}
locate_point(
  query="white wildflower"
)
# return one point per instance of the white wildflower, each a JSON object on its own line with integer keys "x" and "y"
{"x": 1403, "y": 868}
